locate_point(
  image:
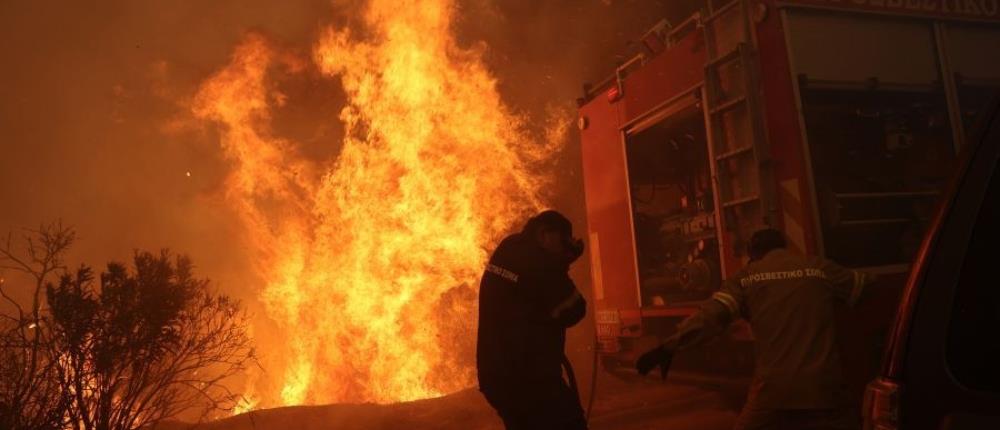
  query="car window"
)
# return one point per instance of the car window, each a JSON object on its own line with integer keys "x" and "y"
{"x": 973, "y": 349}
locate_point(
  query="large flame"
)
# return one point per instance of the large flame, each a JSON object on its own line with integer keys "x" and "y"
{"x": 372, "y": 259}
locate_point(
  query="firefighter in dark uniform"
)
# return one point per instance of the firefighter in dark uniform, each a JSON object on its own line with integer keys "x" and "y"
{"x": 788, "y": 299}
{"x": 526, "y": 302}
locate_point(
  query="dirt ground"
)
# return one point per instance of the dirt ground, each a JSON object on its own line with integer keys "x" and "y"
{"x": 622, "y": 403}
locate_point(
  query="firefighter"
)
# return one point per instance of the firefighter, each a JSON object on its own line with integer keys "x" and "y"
{"x": 526, "y": 302}
{"x": 788, "y": 299}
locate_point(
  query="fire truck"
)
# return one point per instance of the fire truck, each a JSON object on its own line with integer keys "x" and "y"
{"x": 837, "y": 121}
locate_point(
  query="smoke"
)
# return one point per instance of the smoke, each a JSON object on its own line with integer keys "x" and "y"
{"x": 91, "y": 127}
{"x": 95, "y": 126}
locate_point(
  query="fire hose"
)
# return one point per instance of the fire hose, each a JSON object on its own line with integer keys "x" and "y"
{"x": 574, "y": 386}
{"x": 593, "y": 380}
{"x": 660, "y": 357}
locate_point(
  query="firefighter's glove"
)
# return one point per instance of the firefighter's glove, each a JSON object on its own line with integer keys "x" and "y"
{"x": 574, "y": 249}
{"x": 660, "y": 356}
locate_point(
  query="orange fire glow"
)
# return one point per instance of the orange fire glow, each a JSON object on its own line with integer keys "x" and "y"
{"x": 372, "y": 259}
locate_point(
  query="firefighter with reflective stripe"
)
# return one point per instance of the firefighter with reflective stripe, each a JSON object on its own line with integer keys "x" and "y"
{"x": 788, "y": 299}
{"x": 526, "y": 302}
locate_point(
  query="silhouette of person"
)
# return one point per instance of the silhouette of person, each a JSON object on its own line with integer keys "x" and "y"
{"x": 526, "y": 302}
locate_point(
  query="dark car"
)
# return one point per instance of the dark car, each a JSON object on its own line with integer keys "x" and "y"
{"x": 942, "y": 365}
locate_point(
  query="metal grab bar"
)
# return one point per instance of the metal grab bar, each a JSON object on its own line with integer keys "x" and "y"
{"x": 876, "y": 221}
{"x": 882, "y": 195}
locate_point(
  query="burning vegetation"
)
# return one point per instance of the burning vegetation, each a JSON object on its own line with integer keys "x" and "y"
{"x": 371, "y": 259}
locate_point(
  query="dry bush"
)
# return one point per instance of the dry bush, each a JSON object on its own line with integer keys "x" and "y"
{"x": 125, "y": 351}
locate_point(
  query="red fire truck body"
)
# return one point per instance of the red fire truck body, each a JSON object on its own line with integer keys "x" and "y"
{"x": 834, "y": 120}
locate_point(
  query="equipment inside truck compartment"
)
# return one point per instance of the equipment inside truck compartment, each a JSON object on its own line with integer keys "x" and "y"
{"x": 878, "y": 128}
{"x": 672, "y": 209}
{"x": 881, "y": 158}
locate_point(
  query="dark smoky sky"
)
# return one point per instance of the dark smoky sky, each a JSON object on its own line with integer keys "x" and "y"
{"x": 94, "y": 130}
{"x": 88, "y": 92}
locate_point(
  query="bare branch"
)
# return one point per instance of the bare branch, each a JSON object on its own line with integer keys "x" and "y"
{"x": 30, "y": 391}
{"x": 9, "y": 299}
